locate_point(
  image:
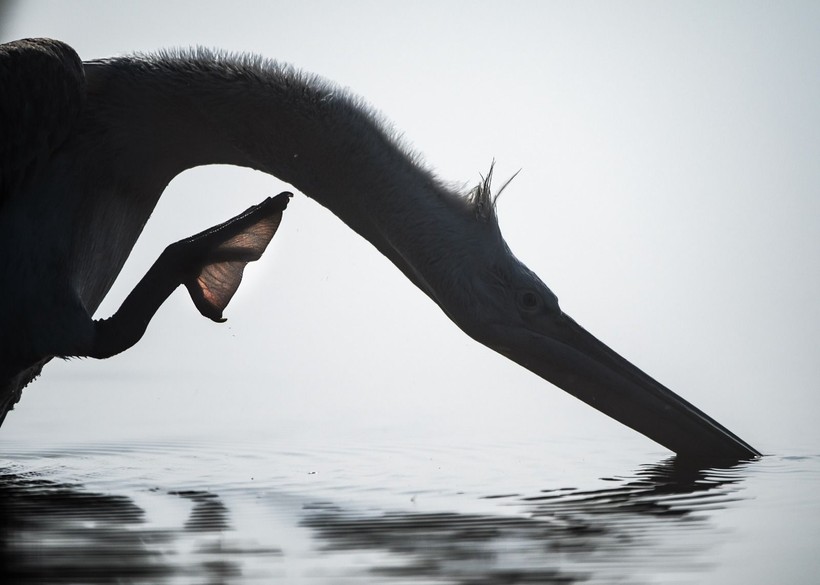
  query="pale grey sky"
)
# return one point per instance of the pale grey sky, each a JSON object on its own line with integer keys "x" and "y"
{"x": 670, "y": 196}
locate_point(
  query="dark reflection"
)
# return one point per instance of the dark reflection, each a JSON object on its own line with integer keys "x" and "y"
{"x": 657, "y": 520}
{"x": 650, "y": 491}
{"x": 634, "y": 529}
{"x": 55, "y": 533}
{"x": 209, "y": 513}
{"x": 59, "y": 533}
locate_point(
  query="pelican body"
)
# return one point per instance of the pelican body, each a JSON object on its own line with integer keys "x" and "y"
{"x": 81, "y": 177}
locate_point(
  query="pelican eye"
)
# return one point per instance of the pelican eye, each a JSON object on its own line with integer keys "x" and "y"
{"x": 529, "y": 301}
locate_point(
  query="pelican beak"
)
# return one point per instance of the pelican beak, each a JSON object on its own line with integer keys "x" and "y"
{"x": 565, "y": 354}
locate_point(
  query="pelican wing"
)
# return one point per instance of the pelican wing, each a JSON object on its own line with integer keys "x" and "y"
{"x": 42, "y": 92}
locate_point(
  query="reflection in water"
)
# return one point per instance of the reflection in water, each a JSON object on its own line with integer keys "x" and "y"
{"x": 564, "y": 536}
{"x": 58, "y": 532}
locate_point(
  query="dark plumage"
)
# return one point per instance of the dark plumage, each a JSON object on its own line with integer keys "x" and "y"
{"x": 43, "y": 92}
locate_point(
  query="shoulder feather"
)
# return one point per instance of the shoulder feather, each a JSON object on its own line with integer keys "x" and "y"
{"x": 42, "y": 91}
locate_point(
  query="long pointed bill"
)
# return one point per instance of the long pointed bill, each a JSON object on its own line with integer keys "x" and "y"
{"x": 574, "y": 360}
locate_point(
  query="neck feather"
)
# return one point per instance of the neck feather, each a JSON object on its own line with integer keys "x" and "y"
{"x": 190, "y": 109}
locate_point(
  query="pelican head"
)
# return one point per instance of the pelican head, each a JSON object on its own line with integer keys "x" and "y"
{"x": 504, "y": 305}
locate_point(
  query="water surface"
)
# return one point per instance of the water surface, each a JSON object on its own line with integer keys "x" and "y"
{"x": 426, "y": 512}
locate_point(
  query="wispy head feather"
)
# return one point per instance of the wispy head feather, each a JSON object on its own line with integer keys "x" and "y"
{"x": 482, "y": 198}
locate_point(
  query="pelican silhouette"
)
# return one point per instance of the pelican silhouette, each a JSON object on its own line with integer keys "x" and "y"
{"x": 87, "y": 149}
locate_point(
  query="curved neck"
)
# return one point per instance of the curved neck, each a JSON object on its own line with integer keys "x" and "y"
{"x": 191, "y": 110}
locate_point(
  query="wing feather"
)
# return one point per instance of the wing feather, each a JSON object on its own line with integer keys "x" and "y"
{"x": 42, "y": 92}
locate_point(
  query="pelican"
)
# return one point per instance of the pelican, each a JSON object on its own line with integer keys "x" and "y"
{"x": 88, "y": 148}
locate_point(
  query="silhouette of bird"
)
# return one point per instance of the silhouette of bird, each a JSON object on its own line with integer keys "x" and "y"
{"x": 87, "y": 149}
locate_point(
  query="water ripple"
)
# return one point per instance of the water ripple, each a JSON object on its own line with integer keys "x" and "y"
{"x": 194, "y": 512}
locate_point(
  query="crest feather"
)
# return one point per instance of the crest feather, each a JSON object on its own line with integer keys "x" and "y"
{"x": 481, "y": 196}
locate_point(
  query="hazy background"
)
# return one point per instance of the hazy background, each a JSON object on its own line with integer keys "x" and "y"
{"x": 669, "y": 196}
